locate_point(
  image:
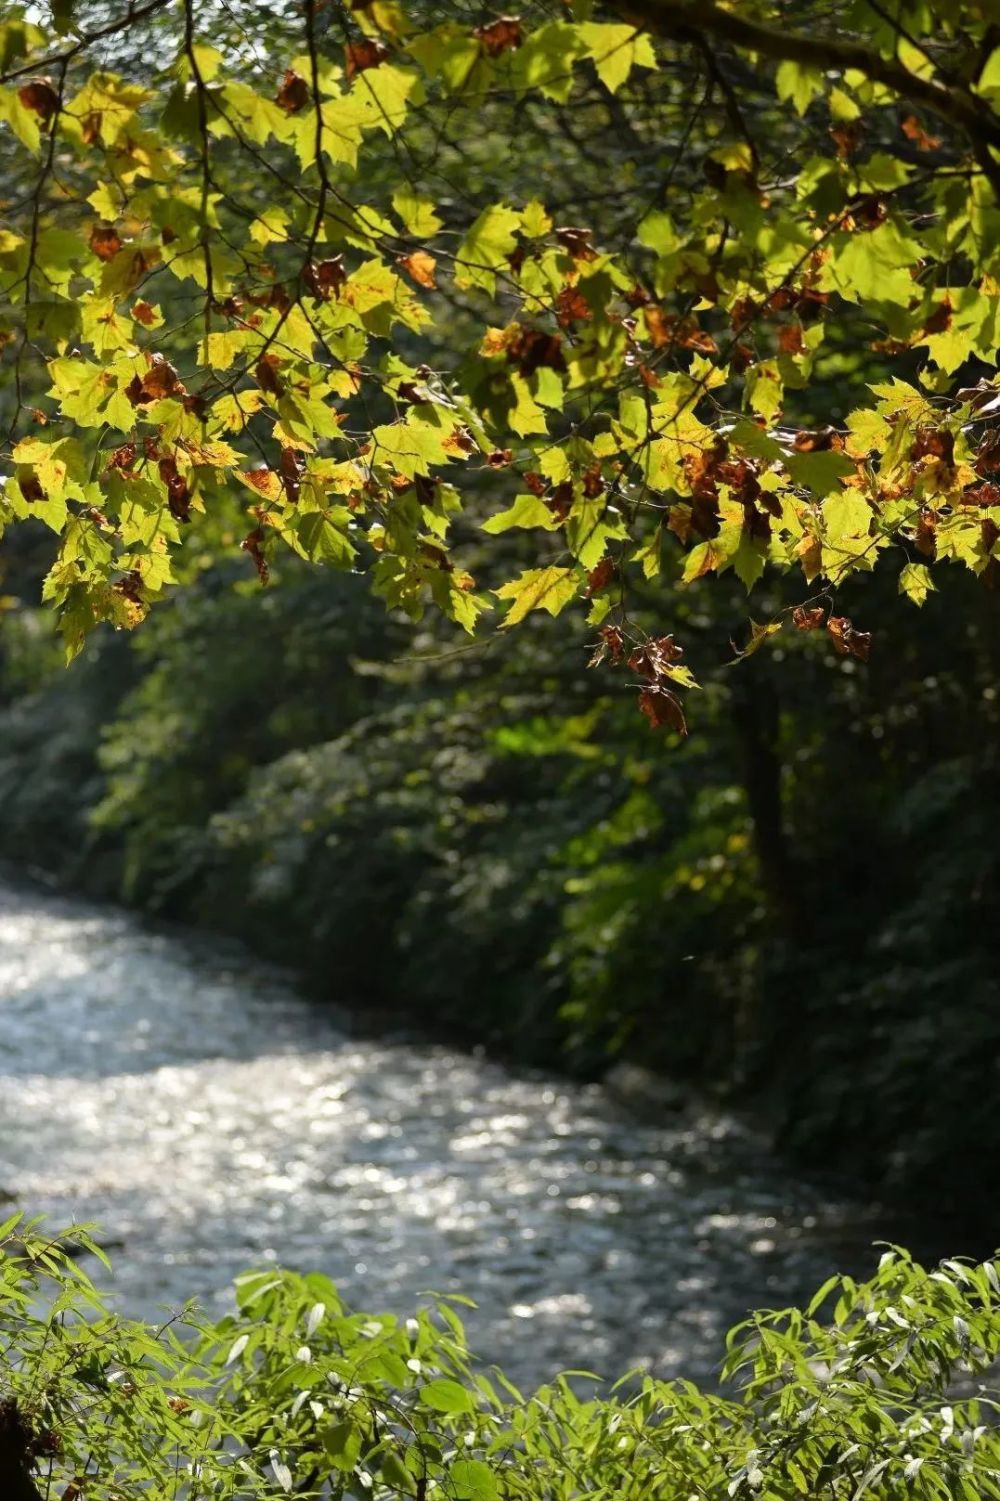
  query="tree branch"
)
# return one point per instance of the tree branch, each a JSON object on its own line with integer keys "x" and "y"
{"x": 687, "y": 20}
{"x": 64, "y": 58}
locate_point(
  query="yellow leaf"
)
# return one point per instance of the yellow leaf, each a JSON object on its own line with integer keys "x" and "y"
{"x": 537, "y": 589}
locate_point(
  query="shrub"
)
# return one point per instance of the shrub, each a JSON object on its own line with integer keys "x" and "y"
{"x": 292, "y": 1394}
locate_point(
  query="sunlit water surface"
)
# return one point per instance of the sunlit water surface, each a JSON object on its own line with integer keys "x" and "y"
{"x": 210, "y": 1119}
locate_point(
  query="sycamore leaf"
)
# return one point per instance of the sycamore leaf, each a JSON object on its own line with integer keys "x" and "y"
{"x": 615, "y": 50}
{"x": 760, "y": 632}
{"x": 798, "y": 84}
{"x": 412, "y": 447}
{"x": 537, "y": 589}
{"x": 915, "y": 582}
{"x": 486, "y": 247}
{"x": 527, "y": 511}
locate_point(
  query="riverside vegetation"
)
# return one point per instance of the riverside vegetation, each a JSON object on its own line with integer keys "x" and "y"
{"x": 294, "y": 1395}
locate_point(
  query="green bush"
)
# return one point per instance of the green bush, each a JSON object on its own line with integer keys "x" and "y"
{"x": 294, "y": 1395}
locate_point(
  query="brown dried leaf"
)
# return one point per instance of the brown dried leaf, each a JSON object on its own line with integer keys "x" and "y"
{"x": 31, "y": 487}
{"x": 933, "y": 443}
{"x": 790, "y": 340}
{"x": 161, "y": 380}
{"x": 39, "y": 96}
{"x": 502, "y": 35}
{"x": 611, "y": 644}
{"x": 663, "y": 708}
{"x": 293, "y": 93}
{"x": 178, "y": 490}
{"x": 123, "y": 458}
{"x": 364, "y": 54}
{"x": 848, "y": 641}
{"x": 105, "y": 241}
{"x": 532, "y": 349}
{"x": 572, "y": 307}
{"x": 847, "y": 137}
{"x": 266, "y": 375}
{"x": 253, "y": 544}
{"x": 915, "y": 132}
{"x": 818, "y": 440}
{"x": 940, "y": 320}
{"x": 577, "y": 242}
{"x": 808, "y": 617}
{"x": 600, "y": 577}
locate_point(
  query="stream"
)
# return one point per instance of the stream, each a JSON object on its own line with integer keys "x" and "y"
{"x": 208, "y": 1118}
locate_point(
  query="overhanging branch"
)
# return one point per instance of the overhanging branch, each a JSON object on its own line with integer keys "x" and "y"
{"x": 691, "y": 19}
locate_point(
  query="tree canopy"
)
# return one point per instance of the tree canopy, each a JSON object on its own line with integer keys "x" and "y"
{"x": 364, "y": 282}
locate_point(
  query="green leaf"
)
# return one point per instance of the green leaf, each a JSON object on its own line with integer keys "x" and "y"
{"x": 819, "y": 472}
{"x": 473, "y": 1481}
{"x": 445, "y": 1395}
{"x": 486, "y": 247}
{"x": 342, "y": 1442}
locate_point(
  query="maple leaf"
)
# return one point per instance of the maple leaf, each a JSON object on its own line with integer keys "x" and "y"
{"x": 144, "y": 313}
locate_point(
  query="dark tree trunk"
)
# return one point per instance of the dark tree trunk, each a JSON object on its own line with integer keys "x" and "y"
{"x": 756, "y": 713}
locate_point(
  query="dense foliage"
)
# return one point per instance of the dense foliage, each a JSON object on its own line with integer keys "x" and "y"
{"x": 292, "y": 278}
{"x": 292, "y": 1394}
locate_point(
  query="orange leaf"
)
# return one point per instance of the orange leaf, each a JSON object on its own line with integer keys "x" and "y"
{"x": 421, "y": 266}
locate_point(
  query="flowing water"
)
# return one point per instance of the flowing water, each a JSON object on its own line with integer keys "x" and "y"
{"x": 210, "y": 1119}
